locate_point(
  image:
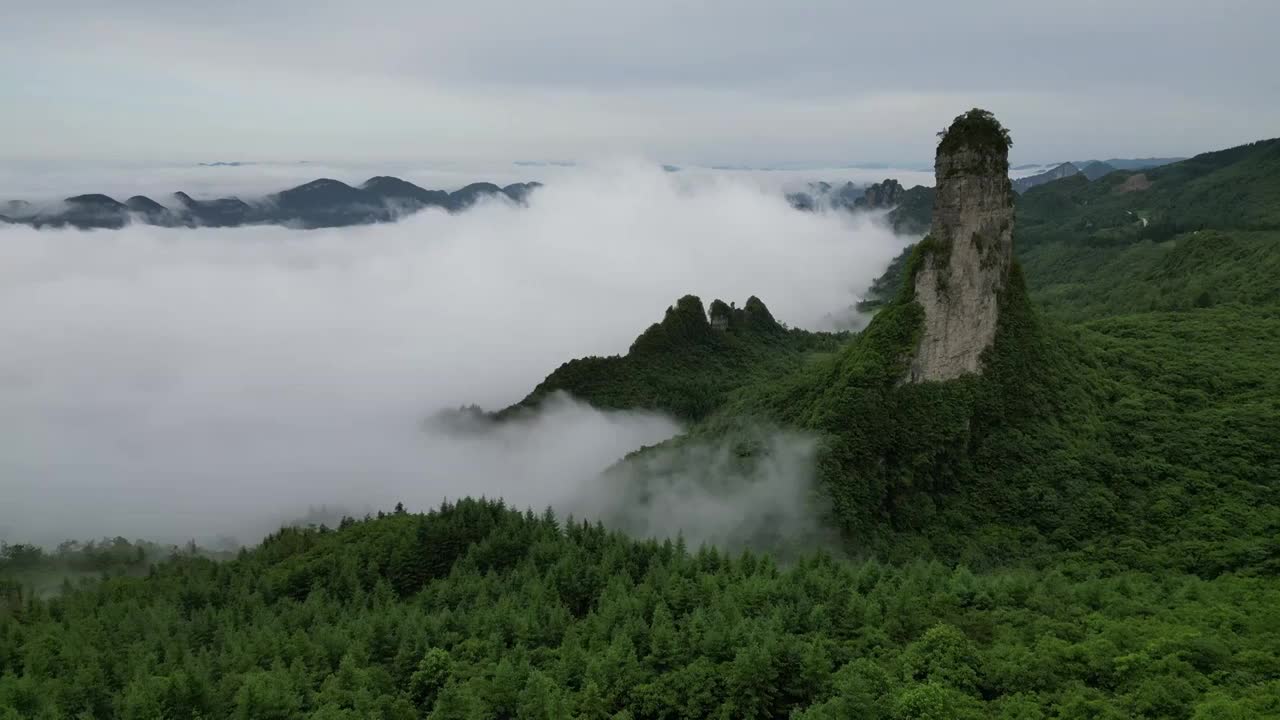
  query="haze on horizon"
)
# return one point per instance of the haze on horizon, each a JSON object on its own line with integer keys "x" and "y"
{"x": 752, "y": 82}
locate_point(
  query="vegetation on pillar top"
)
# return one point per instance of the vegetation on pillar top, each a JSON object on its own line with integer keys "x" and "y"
{"x": 977, "y": 130}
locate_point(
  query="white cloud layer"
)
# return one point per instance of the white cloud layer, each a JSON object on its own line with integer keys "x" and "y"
{"x": 184, "y": 383}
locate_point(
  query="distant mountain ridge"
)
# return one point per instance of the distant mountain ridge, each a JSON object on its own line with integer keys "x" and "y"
{"x": 1136, "y": 163}
{"x": 1024, "y": 184}
{"x": 317, "y": 204}
{"x": 1091, "y": 169}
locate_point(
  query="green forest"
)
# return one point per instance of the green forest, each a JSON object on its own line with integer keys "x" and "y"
{"x": 1088, "y": 529}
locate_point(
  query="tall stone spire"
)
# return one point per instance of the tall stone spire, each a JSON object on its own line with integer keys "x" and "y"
{"x": 968, "y": 251}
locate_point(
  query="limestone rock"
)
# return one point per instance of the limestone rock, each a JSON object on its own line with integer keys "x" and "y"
{"x": 968, "y": 251}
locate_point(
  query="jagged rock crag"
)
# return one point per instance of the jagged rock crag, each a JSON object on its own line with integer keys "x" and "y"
{"x": 824, "y": 195}
{"x": 881, "y": 195}
{"x": 753, "y": 316}
{"x": 967, "y": 254}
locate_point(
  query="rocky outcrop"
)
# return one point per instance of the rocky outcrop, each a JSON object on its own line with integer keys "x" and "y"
{"x": 881, "y": 195}
{"x": 825, "y": 196}
{"x": 914, "y": 212}
{"x": 965, "y": 259}
{"x": 752, "y": 317}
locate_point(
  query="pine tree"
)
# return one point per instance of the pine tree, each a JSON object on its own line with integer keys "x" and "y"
{"x": 663, "y": 651}
{"x": 433, "y": 674}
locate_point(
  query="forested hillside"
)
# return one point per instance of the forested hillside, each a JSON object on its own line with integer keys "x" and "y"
{"x": 1235, "y": 188}
{"x": 687, "y": 364}
{"x": 478, "y": 611}
{"x": 1097, "y": 440}
{"x": 1090, "y": 528}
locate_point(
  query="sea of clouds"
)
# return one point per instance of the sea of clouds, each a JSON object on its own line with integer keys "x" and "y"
{"x": 174, "y": 383}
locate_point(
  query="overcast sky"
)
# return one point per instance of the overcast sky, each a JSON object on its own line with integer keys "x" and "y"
{"x": 685, "y": 81}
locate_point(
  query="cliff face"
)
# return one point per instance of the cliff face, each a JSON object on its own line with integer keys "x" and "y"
{"x": 969, "y": 249}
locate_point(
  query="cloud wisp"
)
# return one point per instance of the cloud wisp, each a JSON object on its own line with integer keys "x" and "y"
{"x": 752, "y": 488}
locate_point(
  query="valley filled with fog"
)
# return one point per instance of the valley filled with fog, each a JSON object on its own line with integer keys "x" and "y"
{"x": 177, "y": 383}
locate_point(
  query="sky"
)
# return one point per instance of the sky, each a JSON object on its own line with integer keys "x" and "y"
{"x": 755, "y": 82}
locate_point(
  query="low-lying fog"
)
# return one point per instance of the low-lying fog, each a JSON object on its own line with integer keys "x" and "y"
{"x": 177, "y": 383}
